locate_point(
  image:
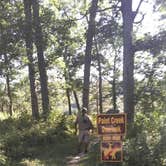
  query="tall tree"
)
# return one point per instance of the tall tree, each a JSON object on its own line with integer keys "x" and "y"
{"x": 100, "y": 95}
{"x": 29, "y": 50}
{"x": 129, "y": 49}
{"x": 41, "y": 60}
{"x": 114, "y": 81}
{"x": 8, "y": 88}
{"x": 128, "y": 57}
{"x": 76, "y": 99}
{"x": 89, "y": 41}
{"x": 67, "y": 79}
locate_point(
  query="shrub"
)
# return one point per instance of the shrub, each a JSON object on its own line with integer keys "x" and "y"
{"x": 23, "y": 135}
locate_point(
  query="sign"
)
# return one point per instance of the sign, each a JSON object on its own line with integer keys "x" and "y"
{"x": 112, "y": 137}
{"x": 111, "y": 151}
{"x": 111, "y": 124}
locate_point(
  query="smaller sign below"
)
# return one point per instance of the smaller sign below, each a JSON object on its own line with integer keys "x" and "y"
{"x": 112, "y": 137}
{"x": 111, "y": 124}
{"x": 111, "y": 151}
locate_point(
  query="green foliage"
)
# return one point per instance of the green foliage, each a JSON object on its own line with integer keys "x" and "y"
{"x": 146, "y": 140}
{"x": 22, "y": 136}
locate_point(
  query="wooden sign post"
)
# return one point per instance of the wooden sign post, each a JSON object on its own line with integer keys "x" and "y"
{"x": 112, "y": 129}
{"x": 111, "y": 151}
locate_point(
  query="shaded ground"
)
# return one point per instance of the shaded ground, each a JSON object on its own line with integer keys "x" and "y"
{"x": 60, "y": 154}
{"x": 24, "y": 142}
{"x": 52, "y": 155}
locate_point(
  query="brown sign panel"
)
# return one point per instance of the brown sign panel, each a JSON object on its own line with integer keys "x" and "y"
{"x": 111, "y": 151}
{"x": 112, "y": 137}
{"x": 111, "y": 124}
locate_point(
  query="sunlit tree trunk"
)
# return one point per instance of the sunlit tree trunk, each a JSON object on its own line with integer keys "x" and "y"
{"x": 41, "y": 60}
{"x": 29, "y": 49}
{"x": 87, "y": 61}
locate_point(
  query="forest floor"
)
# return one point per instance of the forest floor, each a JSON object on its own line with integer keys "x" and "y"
{"x": 61, "y": 154}
{"x": 24, "y": 142}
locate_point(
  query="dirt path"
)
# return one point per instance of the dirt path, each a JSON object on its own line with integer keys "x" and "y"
{"x": 77, "y": 159}
{"x": 74, "y": 160}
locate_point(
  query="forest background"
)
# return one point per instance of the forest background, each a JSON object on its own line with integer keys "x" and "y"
{"x": 57, "y": 56}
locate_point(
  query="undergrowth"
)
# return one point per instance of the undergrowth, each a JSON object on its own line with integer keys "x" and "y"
{"x": 26, "y": 142}
{"x": 23, "y": 138}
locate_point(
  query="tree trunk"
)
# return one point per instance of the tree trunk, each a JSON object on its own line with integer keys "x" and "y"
{"x": 76, "y": 99}
{"x": 41, "y": 61}
{"x": 8, "y": 85}
{"x": 2, "y": 110}
{"x": 87, "y": 61}
{"x": 114, "y": 85}
{"x": 29, "y": 50}
{"x": 9, "y": 95}
{"x": 114, "y": 98}
{"x": 67, "y": 79}
{"x": 128, "y": 60}
{"x": 69, "y": 101}
{"x": 100, "y": 79}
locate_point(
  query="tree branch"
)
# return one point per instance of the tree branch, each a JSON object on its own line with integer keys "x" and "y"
{"x": 113, "y": 6}
{"x": 102, "y": 10}
{"x": 137, "y": 22}
{"x": 76, "y": 19}
{"x": 137, "y": 10}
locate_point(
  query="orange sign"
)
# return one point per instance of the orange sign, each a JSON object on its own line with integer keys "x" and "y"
{"x": 111, "y": 124}
{"x": 111, "y": 151}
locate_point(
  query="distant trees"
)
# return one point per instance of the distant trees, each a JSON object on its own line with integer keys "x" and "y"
{"x": 9, "y": 37}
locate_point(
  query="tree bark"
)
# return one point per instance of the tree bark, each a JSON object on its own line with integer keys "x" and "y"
{"x": 76, "y": 99}
{"x": 69, "y": 101}
{"x": 8, "y": 86}
{"x": 114, "y": 84}
{"x": 87, "y": 60}
{"x": 100, "y": 99}
{"x": 29, "y": 50}
{"x": 128, "y": 60}
{"x": 41, "y": 60}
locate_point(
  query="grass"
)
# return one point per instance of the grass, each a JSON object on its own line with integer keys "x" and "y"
{"x": 51, "y": 155}
{"x": 26, "y": 143}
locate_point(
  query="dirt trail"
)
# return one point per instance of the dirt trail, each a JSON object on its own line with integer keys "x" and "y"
{"x": 74, "y": 160}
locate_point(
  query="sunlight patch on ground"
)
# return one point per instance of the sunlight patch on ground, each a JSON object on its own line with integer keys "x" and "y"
{"x": 3, "y": 116}
{"x": 35, "y": 162}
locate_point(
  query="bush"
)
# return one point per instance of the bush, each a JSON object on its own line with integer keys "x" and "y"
{"x": 23, "y": 135}
{"x": 146, "y": 141}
